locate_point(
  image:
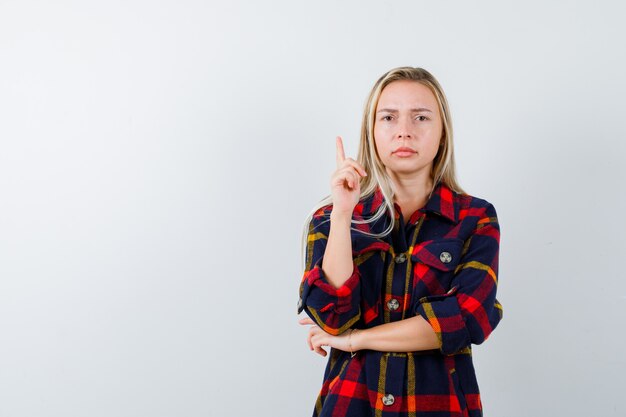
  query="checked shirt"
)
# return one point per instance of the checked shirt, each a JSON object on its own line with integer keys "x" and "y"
{"x": 441, "y": 264}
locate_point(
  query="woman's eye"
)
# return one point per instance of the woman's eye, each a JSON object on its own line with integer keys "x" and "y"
{"x": 422, "y": 118}
{"x": 387, "y": 118}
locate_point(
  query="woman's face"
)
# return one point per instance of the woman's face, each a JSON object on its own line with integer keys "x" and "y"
{"x": 407, "y": 116}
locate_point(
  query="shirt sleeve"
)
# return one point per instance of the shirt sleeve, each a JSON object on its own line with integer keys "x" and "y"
{"x": 469, "y": 311}
{"x": 335, "y": 310}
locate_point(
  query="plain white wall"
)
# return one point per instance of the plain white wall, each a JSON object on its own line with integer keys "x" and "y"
{"x": 157, "y": 160}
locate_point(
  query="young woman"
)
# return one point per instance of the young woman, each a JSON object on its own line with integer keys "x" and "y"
{"x": 401, "y": 265}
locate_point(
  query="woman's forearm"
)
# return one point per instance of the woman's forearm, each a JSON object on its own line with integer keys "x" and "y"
{"x": 406, "y": 335}
{"x": 337, "y": 263}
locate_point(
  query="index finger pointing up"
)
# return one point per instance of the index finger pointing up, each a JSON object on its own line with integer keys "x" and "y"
{"x": 340, "y": 153}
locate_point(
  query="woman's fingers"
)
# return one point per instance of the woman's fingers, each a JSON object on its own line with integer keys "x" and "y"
{"x": 317, "y": 342}
{"x": 342, "y": 160}
{"x": 309, "y": 339}
{"x": 320, "y": 351}
{"x": 309, "y": 342}
{"x": 315, "y": 338}
{"x": 306, "y": 320}
{"x": 353, "y": 179}
{"x": 340, "y": 153}
{"x": 347, "y": 174}
{"x": 357, "y": 167}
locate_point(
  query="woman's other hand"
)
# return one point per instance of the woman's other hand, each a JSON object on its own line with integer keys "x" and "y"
{"x": 318, "y": 338}
{"x": 345, "y": 182}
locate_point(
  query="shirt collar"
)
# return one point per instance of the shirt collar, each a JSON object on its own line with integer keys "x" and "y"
{"x": 443, "y": 202}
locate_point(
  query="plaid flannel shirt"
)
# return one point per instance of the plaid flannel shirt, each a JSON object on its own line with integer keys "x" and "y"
{"x": 441, "y": 264}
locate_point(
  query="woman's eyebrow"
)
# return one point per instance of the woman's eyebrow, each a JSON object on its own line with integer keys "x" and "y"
{"x": 419, "y": 109}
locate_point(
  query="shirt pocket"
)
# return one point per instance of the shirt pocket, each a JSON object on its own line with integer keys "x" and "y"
{"x": 370, "y": 256}
{"x": 457, "y": 391}
{"x": 434, "y": 263}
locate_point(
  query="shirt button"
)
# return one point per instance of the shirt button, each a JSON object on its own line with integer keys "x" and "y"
{"x": 393, "y": 304}
{"x": 388, "y": 399}
{"x": 400, "y": 258}
{"x": 445, "y": 257}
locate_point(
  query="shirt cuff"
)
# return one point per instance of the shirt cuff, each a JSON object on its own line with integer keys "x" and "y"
{"x": 443, "y": 313}
{"x": 333, "y": 309}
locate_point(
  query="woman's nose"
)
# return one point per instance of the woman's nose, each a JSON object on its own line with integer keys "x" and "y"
{"x": 404, "y": 129}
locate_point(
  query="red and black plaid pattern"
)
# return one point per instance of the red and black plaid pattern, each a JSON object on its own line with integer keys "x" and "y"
{"x": 441, "y": 264}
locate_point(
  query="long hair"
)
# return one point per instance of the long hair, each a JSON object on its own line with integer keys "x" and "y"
{"x": 443, "y": 168}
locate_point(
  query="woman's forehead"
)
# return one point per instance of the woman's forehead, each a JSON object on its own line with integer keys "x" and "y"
{"x": 405, "y": 93}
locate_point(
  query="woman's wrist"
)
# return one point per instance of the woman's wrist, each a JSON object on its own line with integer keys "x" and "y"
{"x": 340, "y": 217}
{"x": 356, "y": 339}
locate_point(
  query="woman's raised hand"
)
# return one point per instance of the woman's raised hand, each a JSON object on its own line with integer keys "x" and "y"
{"x": 345, "y": 182}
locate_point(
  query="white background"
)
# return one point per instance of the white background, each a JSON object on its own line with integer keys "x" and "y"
{"x": 158, "y": 158}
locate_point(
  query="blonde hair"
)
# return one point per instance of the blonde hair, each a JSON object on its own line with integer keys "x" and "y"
{"x": 443, "y": 168}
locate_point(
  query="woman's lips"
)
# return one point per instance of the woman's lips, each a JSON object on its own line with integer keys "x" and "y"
{"x": 404, "y": 153}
